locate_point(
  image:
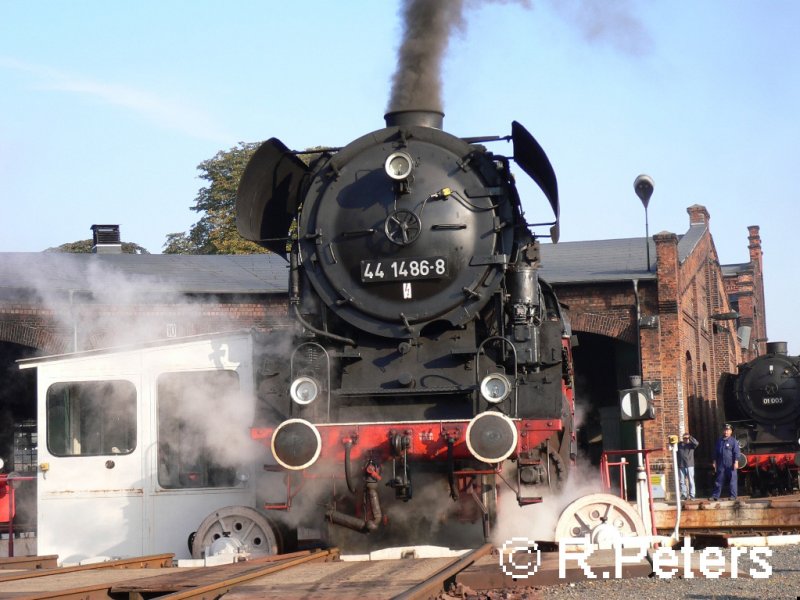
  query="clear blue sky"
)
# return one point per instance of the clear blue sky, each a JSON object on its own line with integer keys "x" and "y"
{"x": 107, "y": 108}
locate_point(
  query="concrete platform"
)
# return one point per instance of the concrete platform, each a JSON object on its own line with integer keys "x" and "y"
{"x": 742, "y": 514}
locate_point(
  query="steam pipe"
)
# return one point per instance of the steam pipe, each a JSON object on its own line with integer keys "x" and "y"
{"x": 348, "y": 475}
{"x": 294, "y": 300}
{"x": 673, "y": 446}
{"x": 339, "y": 518}
{"x": 361, "y": 525}
{"x": 294, "y": 278}
{"x": 375, "y": 505}
{"x": 310, "y": 327}
{"x": 451, "y": 476}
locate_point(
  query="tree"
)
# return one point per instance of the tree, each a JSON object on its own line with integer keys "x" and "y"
{"x": 85, "y": 247}
{"x": 215, "y": 232}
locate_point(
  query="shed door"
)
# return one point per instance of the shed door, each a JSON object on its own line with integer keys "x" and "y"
{"x": 91, "y": 485}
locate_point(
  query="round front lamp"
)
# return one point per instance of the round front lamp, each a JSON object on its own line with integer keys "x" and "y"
{"x": 495, "y": 388}
{"x": 304, "y": 390}
{"x": 398, "y": 165}
{"x": 296, "y": 444}
{"x": 491, "y": 437}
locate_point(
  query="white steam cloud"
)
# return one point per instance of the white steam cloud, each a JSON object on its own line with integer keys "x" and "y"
{"x": 95, "y": 304}
{"x": 538, "y": 521}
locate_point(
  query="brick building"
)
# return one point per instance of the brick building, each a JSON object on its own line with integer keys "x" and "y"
{"x": 681, "y": 321}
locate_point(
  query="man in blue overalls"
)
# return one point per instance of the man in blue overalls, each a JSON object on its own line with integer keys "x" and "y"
{"x": 726, "y": 463}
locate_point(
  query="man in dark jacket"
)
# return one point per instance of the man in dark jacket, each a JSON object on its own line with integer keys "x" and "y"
{"x": 726, "y": 463}
{"x": 686, "y": 465}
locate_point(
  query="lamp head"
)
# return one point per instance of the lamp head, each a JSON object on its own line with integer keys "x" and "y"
{"x": 643, "y": 186}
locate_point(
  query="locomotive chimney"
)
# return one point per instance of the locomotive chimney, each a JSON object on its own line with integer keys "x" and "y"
{"x": 422, "y": 118}
{"x": 777, "y": 348}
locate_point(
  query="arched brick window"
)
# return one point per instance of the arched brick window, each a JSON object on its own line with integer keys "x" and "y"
{"x": 690, "y": 391}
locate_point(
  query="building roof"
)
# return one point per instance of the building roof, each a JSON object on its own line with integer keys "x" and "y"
{"x": 186, "y": 274}
{"x": 597, "y": 260}
{"x": 733, "y": 270}
{"x": 609, "y": 260}
{"x": 562, "y": 263}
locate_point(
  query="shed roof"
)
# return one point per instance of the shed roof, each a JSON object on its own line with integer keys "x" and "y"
{"x": 563, "y": 263}
{"x": 187, "y": 274}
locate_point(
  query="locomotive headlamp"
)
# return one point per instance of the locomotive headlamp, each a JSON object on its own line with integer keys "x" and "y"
{"x": 491, "y": 437}
{"x": 304, "y": 390}
{"x": 495, "y": 388}
{"x": 296, "y": 444}
{"x": 398, "y": 165}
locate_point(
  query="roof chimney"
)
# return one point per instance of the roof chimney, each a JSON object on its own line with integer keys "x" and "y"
{"x": 106, "y": 239}
{"x": 698, "y": 215}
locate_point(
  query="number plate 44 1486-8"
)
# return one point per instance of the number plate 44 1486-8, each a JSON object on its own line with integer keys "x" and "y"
{"x": 403, "y": 269}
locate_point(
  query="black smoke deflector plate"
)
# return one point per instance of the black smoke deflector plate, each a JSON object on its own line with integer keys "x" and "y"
{"x": 531, "y": 158}
{"x": 267, "y": 197}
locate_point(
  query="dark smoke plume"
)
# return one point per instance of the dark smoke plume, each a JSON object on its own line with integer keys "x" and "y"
{"x": 428, "y": 25}
{"x": 417, "y": 82}
{"x": 602, "y": 22}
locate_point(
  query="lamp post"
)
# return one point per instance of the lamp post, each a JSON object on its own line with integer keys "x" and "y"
{"x": 643, "y": 186}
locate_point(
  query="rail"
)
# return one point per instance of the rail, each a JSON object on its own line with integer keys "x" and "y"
{"x": 49, "y": 561}
{"x": 139, "y": 562}
{"x": 434, "y": 584}
{"x": 174, "y": 583}
{"x": 217, "y": 588}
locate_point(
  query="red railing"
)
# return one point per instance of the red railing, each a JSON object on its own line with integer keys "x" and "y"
{"x": 8, "y": 505}
{"x": 605, "y": 473}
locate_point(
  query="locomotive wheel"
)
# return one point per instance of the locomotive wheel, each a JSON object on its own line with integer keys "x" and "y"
{"x": 604, "y": 517}
{"x": 244, "y": 527}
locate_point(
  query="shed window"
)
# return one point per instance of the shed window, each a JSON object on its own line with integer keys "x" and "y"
{"x": 190, "y": 406}
{"x": 91, "y": 418}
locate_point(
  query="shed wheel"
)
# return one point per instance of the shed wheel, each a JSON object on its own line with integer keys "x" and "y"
{"x": 604, "y": 517}
{"x": 251, "y": 529}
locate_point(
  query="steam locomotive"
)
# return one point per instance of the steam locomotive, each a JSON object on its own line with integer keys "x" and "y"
{"x": 428, "y": 357}
{"x": 763, "y": 401}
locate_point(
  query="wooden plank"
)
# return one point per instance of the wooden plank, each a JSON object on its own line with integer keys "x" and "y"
{"x": 139, "y": 562}
{"x": 49, "y": 561}
{"x": 201, "y": 580}
{"x": 190, "y": 577}
{"x": 89, "y": 584}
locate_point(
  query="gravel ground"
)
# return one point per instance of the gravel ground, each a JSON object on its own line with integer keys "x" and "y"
{"x": 783, "y": 583}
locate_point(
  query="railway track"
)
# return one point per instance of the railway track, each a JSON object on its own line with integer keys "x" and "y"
{"x": 320, "y": 574}
{"x": 317, "y": 574}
